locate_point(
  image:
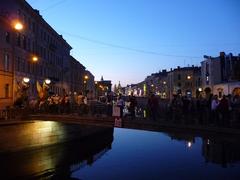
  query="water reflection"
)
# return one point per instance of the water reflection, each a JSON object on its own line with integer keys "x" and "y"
{"x": 224, "y": 152}
{"x": 58, "y": 161}
{"x": 133, "y": 154}
{"x": 220, "y": 149}
{"x": 167, "y": 155}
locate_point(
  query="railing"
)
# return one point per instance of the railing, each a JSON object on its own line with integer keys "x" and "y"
{"x": 13, "y": 113}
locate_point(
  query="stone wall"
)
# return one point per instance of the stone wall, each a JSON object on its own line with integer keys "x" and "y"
{"x": 36, "y": 134}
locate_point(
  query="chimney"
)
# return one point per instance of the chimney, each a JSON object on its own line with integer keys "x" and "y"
{"x": 222, "y": 54}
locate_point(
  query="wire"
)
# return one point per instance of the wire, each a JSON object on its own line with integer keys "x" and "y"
{"x": 125, "y": 47}
{"x": 54, "y": 5}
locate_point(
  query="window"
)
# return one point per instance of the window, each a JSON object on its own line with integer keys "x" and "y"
{"x": 179, "y": 76}
{"x": 18, "y": 39}
{"x": 6, "y": 62}
{"x": 7, "y": 36}
{"x": 24, "y": 42}
{"x": 6, "y": 90}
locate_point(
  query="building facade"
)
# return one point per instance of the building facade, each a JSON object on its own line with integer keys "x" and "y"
{"x": 31, "y": 49}
{"x": 103, "y": 87}
{"x": 221, "y": 75}
{"x": 77, "y": 73}
{"x": 185, "y": 81}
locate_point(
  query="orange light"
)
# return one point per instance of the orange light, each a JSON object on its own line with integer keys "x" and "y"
{"x": 86, "y": 77}
{"x": 34, "y": 58}
{"x": 18, "y": 26}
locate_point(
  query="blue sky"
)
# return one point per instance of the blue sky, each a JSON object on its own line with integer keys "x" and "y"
{"x": 126, "y": 40}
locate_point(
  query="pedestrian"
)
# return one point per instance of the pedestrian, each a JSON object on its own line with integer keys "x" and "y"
{"x": 120, "y": 104}
{"x": 132, "y": 105}
{"x": 153, "y": 105}
{"x": 214, "y": 109}
{"x": 224, "y": 111}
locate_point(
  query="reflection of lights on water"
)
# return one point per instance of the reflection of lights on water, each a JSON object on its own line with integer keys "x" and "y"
{"x": 189, "y": 144}
{"x": 208, "y": 141}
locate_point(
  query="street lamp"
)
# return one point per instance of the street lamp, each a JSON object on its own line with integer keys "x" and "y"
{"x": 18, "y": 26}
{"x": 35, "y": 59}
{"x": 85, "y": 83}
{"x": 188, "y": 77}
{"x": 86, "y": 77}
{"x": 26, "y": 80}
{"x": 47, "y": 81}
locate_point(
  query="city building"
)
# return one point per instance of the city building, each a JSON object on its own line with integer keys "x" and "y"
{"x": 31, "y": 50}
{"x": 221, "y": 75}
{"x": 185, "y": 81}
{"x": 77, "y": 74}
{"x": 103, "y": 87}
{"x": 89, "y": 83}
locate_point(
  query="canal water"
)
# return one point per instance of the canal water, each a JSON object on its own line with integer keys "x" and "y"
{"x": 141, "y": 154}
{"x": 116, "y": 153}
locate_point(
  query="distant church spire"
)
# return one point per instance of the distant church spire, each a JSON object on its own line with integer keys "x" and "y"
{"x": 102, "y": 78}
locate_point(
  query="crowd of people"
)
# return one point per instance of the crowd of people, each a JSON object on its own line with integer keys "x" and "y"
{"x": 222, "y": 111}
{"x": 212, "y": 109}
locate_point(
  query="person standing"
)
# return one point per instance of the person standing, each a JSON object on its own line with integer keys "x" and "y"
{"x": 132, "y": 105}
{"x": 214, "y": 107}
{"x": 224, "y": 111}
{"x": 120, "y": 104}
{"x": 153, "y": 107}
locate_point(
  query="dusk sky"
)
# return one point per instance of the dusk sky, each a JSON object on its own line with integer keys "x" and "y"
{"x": 126, "y": 40}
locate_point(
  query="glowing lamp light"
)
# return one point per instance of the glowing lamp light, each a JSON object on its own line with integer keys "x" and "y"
{"x": 26, "y": 80}
{"x": 164, "y": 82}
{"x": 47, "y": 81}
{"x": 200, "y": 89}
{"x": 86, "y": 77}
{"x": 18, "y": 26}
{"x": 35, "y": 58}
{"x": 188, "y": 77}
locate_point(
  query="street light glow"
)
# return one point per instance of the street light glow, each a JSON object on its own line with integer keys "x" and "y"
{"x": 26, "y": 80}
{"x": 188, "y": 77}
{"x": 47, "y": 81}
{"x": 18, "y": 26}
{"x": 34, "y": 58}
{"x": 86, "y": 77}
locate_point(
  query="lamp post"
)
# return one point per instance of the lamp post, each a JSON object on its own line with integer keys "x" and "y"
{"x": 85, "y": 84}
{"x": 34, "y": 60}
{"x": 96, "y": 89}
{"x": 17, "y": 27}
